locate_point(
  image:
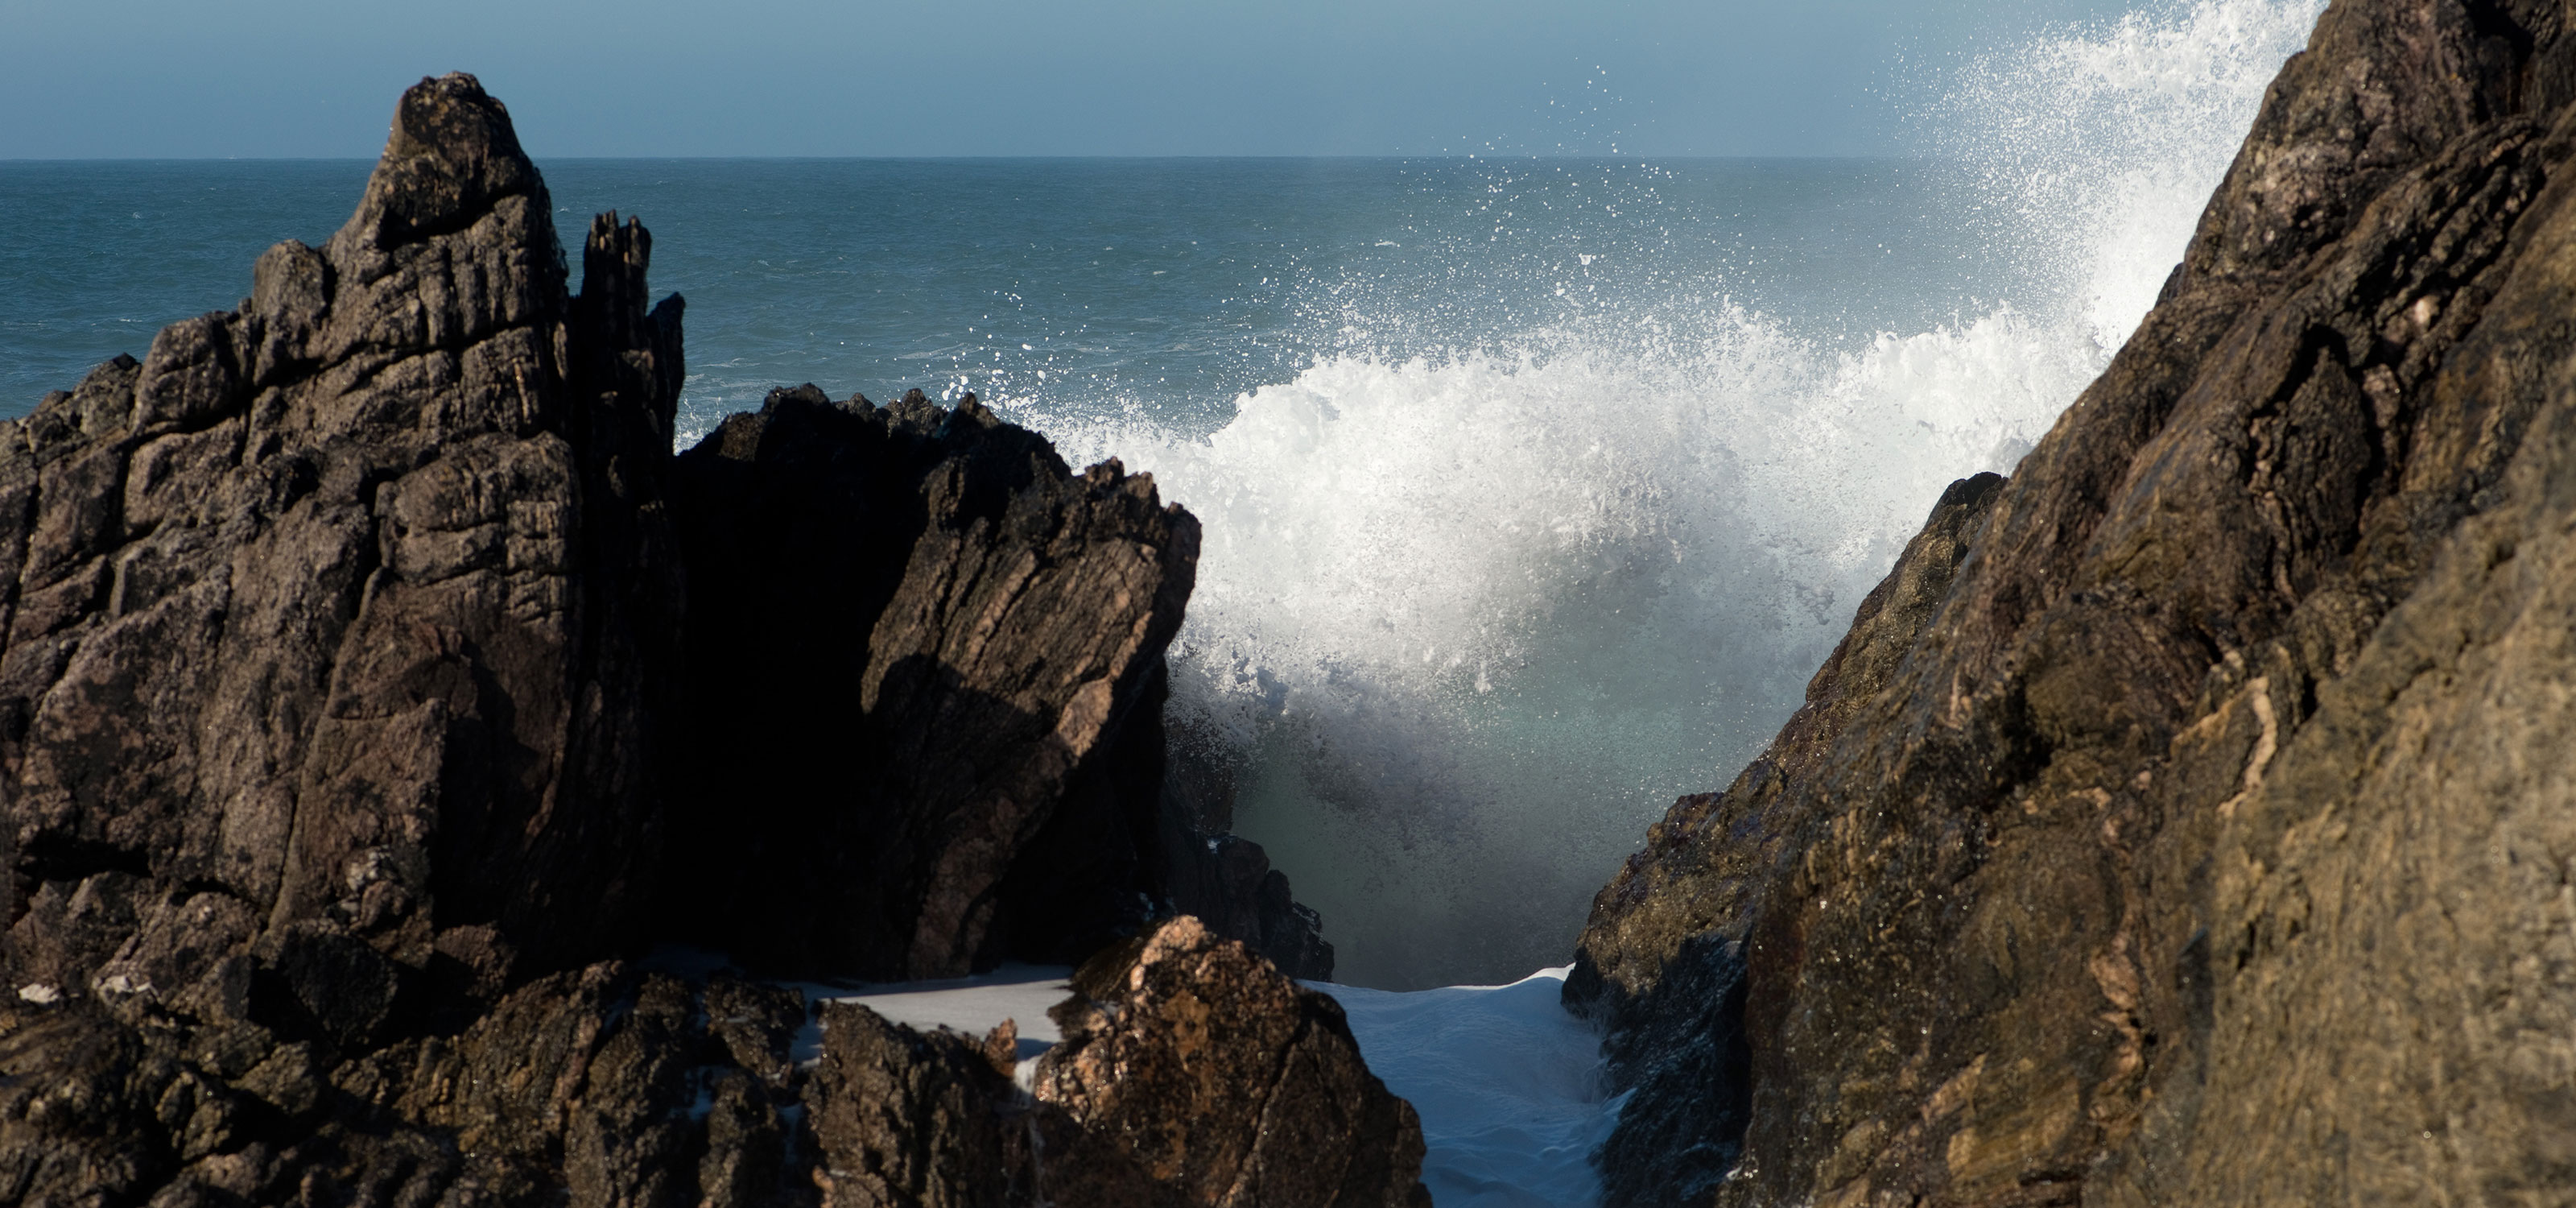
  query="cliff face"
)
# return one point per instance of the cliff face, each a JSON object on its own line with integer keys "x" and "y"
{"x": 375, "y": 684}
{"x": 2187, "y": 820}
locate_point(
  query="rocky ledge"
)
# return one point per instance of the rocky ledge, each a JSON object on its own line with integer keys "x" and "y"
{"x": 375, "y": 685}
{"x": 2188, "y": 819}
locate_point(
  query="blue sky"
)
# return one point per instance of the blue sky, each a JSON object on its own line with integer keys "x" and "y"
{"x": 188, "y": 78}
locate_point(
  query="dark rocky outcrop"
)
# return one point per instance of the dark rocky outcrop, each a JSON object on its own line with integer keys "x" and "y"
{"x": 927, "y": 668}
{"x": 331, "y": 627}
{"x": 601, "y": 1086}
{"x": 2186, "y": 820}
{"x": 929, "y": 665}
{"x": 369, "y": 667}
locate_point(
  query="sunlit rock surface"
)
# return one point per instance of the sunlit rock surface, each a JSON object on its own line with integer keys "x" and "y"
{"x": 2185, "y": 821}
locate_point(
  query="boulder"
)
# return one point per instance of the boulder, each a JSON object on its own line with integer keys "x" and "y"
{"x": 1193, "y": 1073}
{"x": 2176, "y": 824}
{"x": 910, "y": 1119}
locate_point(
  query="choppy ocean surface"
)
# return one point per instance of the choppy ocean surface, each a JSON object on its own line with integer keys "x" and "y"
{"x": 1534, "y": 489}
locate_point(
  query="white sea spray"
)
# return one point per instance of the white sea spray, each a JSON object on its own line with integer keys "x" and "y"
{"x": 1470, "y": 617}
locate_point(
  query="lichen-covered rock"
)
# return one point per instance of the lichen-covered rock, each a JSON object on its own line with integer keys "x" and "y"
{"x": 2189, "y": 838}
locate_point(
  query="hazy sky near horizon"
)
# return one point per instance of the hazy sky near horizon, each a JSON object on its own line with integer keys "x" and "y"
{"x": 303, "y": 78}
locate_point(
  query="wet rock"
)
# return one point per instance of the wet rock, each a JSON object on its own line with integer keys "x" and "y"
{"x": 2104, "y": 860}
{"x": 909, "y": 1119}
{"x": 1192, "y": 1072}
{"x": 1224, "y": 879}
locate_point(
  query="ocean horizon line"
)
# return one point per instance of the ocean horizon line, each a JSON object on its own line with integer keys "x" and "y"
{"x": 1446, "y": 157}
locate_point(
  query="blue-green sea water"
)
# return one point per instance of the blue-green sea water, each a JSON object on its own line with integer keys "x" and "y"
{"x": 1534, "y": 489}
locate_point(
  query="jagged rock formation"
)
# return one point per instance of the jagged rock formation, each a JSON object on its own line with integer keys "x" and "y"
{"x": 1191, "y": 1072}
{"x": 927, "y": 668}
{"x": 599, "y": 1085}
{"x": 2187, "y": 820}
{"x": 331, "y": 625}
{"x": 1197, "y": 1074}
{"x": 350, "y": 646}
{"x": 929, "y": 664}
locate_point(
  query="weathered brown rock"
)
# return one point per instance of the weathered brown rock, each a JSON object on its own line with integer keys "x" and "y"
{"x": 2183, "y": 822}
{"x": 341, "y": 610}
{"x": 907, "y": 1119}
{"x": 1194, "y": 1073}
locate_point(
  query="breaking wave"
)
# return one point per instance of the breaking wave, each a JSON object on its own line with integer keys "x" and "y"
{"x": 1469, "y": 616}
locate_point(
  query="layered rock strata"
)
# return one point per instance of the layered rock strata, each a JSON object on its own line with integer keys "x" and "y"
{"x": 2186, "y": 820}
{"x": 369, "y": 667}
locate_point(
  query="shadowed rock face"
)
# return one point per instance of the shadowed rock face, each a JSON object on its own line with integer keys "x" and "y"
{"x": 346, "y": 671}
{"x": 2184, "y": 821}
{"x": 923, "y": 648}
{"x": 1226, "y": 880}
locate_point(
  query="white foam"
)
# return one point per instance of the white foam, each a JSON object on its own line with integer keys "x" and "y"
{"x": 1475, "y": 612}
{"x": 972, "y": 1005}
{"x": 1507, "y": 1084}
